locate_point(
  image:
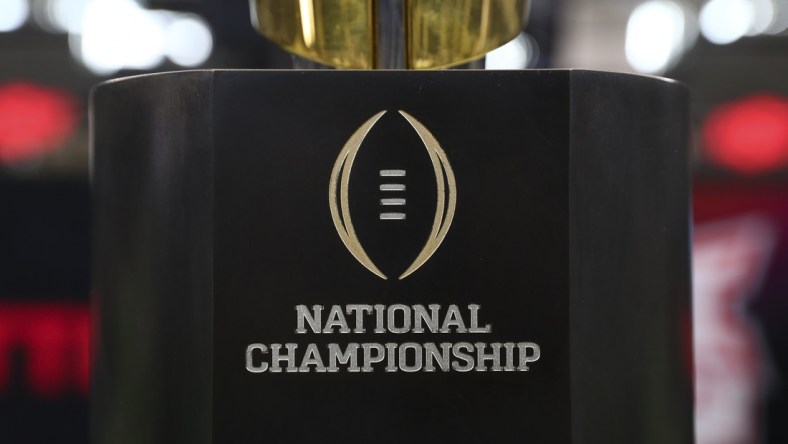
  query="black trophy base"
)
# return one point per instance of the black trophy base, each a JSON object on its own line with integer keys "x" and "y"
{"x": 391, "y": 257}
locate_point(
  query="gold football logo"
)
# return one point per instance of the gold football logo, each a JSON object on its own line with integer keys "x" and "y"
{"x": 339, "y": 200}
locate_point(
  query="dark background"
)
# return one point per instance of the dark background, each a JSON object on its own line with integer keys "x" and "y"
{"x": 255, "y": 293}
{"x": 740, "y": 169}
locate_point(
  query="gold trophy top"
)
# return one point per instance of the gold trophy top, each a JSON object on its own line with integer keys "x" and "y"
{"x": 389, "y": 34}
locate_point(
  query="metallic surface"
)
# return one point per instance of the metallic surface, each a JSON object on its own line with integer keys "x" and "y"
{"x": 570, "y": 237}
{"x": 338, "y": 186}
{"x": 389, "y": 34}
{"x": 339, "y": 33}
{"x": 443, "y": 33}
{"x": 446, "y": 187}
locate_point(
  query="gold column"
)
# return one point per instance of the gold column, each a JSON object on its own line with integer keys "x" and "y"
{"x": 343, "y": 33}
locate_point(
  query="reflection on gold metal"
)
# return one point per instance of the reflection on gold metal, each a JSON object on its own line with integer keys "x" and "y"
{"x": 338, "y": 33}
{"x": 447, "y": 189}
{"x": 343, "y": 33}
{"x": 341, "y": 217}
{"x": 307, "y": 22}
{"x": 442, "y": 33}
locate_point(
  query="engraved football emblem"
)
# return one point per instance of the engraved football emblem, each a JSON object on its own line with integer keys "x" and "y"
{"x": 394, "y": 200}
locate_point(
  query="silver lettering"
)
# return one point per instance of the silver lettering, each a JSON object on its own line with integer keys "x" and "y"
{"x": 335, "y": 355}
{"x": 465, "y": 357}
{"x": 431, "y": 320}
{"x": 379, "y": 318}
{"x": 336, "y": 318}
{"x": 312, "y": 357}
{"x": 475, "y": 321}
{"x": 276, "y": 358}
{"x": 391, "y": 353}
{"x": 453, "y": 319}
{"x": 314, "y": 320}
{"x": 250, "y": 367}
{"x": 525, "y": 358}
{"x": 370, "y": 358}
{"x": 442, "y": 357}
{"x": 403, "y": 357}
{"x": 359, "y": 310}
{"x": 392, "y": 316}
{"x": 481, "y": 356}
{"x": 509, "y": 346}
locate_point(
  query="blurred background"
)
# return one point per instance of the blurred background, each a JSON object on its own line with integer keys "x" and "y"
{"x": 732, "y": 53}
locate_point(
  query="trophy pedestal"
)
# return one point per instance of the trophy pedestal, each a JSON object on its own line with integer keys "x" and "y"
{"x": 391, "y": 256}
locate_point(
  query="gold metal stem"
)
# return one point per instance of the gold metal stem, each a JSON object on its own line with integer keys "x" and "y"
{"x": 350, "y": 33}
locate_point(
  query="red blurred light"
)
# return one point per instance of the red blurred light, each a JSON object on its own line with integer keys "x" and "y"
{"x": 54, "y": 339}
{"x": 749, "y": 136}
{"x": 34, "y": 120}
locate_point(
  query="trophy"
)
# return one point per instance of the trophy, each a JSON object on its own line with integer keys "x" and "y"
{"x": 420, "y": 255}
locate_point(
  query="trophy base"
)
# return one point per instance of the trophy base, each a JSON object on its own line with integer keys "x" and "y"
{"x": 392, "y": 256}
